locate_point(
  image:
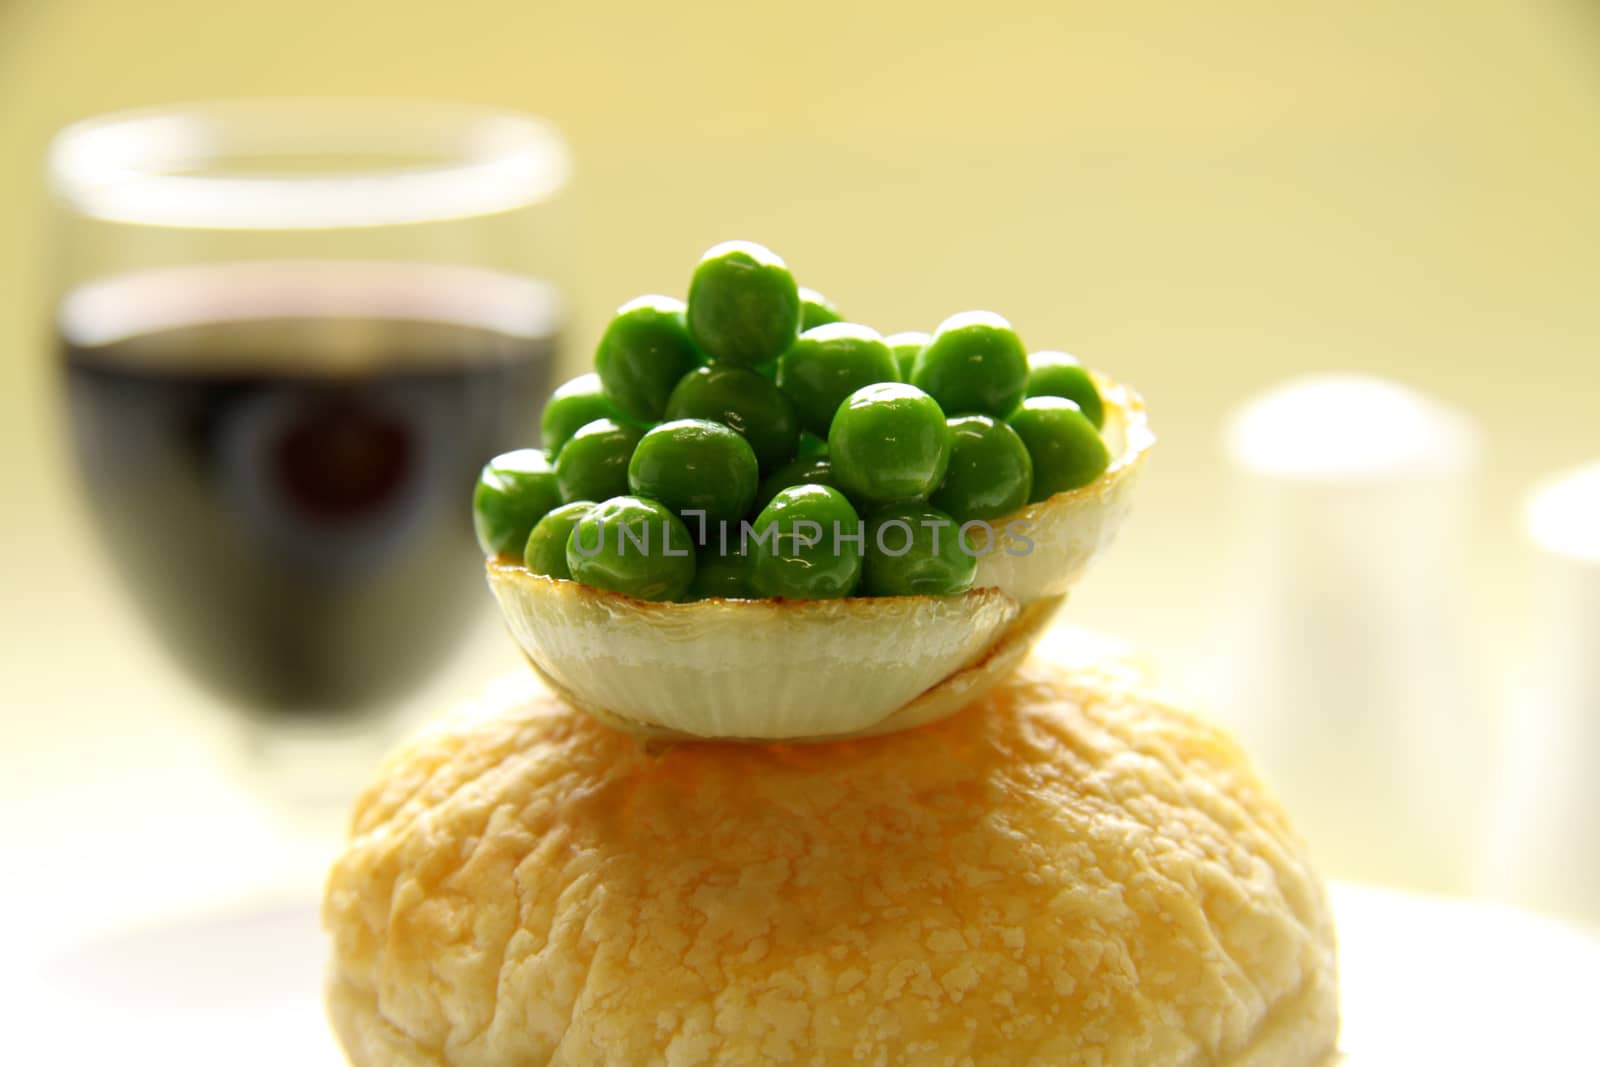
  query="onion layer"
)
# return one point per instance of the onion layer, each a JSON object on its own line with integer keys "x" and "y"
{"x": 755, "y": 669}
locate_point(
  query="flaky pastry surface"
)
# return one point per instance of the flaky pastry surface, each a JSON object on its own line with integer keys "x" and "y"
{"x": 1067, "y": 872}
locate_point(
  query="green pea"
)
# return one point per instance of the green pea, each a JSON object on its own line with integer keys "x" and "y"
{"x": 593, "y": 464}
{"x": 816, "y": 309}
{"x": 514, "y": 491}
{"x": 991, "y": 473}
{"x": 807, "y": 545}
{"x": 905, "y": 347}
{"x": 746, "y": 403}
{"x": 578, "y": 401}
{"x": 546, "y": 551}
{"x": 829, "y": 363}
{"x": 810, "y": 470}
{"x": 744, "y": 307}
{"x": 1066, "y": 451}
{"x": 812, "y": 446}
{"x": 644, "y": 351}
{"x": 889, "y": 444}
{"x": 631, "y": 546}
{"x": 693, "y": 465}
{"x": 916, "y": 551}
{"x": 1058, "y": 374}
{"x": 974, "y": 365}
{"x": 721, "y": 569}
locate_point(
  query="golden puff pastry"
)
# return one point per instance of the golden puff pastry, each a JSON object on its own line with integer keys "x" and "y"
{"x": 1070, "y": 871}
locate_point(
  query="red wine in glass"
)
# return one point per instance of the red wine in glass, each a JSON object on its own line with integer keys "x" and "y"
{"x": 280, "y": 457}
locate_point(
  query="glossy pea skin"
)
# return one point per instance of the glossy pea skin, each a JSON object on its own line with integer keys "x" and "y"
{"x": 1059, "y": 374}
{"x": 576, "y": 403}
{"x": 722, "y": 570}
{"x": 812, "y": 470}
{"x": 793, "y": 549}
{"x": 632, "y": 546}
{"x": 513, "y": 493}
{"x": 974, "y": 365}
{"x": 827, "y": 364}
{"x": 644, "y": 351}
{"x": 694, "y": 465}
{"x": 593, "y": 464}
{"x": 889, "y": 444}
{"x": 916, "y": 551}
{"x": 1066, "y": 450}
{"x": 546, "y": 550}
{"x": 745, "y": 402}
{"x": 905, "y": 347}
{"x": 744, "y": 305}
{"x": 816, "y": 310}
{"x": 991, "y": 473}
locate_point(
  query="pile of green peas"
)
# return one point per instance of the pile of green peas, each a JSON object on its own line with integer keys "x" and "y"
{"x": 748, "y": 442}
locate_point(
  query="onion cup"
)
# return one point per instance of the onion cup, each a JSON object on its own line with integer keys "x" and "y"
{"x": 811, "y": 670}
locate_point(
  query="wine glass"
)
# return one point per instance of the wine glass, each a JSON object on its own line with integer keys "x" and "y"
{"x": 291, "y": 333}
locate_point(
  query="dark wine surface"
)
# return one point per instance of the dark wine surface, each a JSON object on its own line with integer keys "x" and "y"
{"x": 281, "y": 458}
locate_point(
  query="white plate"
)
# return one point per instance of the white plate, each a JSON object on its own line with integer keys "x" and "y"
{"x": 1432, "y": 982}
{"x": 1426, "y": 982}
{"x": 241, "y": 989}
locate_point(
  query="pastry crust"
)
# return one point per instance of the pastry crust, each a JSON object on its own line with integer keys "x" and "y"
{"x": 1070, "y": 871}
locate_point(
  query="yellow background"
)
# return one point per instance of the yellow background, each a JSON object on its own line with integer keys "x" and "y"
{"x": 1201, "y": 198}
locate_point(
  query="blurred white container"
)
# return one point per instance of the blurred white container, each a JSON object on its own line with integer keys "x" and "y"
{"x": 1344, "y": 663}
{"x": 1545, "y": 841}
